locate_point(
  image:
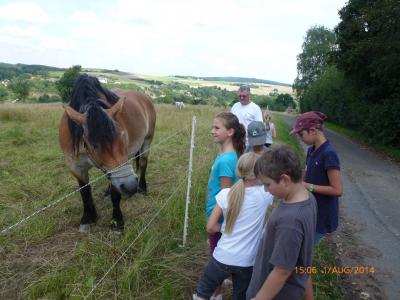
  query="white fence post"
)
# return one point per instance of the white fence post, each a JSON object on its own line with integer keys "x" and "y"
{"x": 189, "y": 182}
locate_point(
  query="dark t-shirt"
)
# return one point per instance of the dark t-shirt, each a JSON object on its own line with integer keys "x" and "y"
{"x": 318, "y": 162}
{"x": 287, "y": 242}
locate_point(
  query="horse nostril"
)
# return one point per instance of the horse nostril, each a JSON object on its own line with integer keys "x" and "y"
{"x": 128, "y": 191}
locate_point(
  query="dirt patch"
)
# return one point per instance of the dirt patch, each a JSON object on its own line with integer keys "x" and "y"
{"x": 350, "y": 252}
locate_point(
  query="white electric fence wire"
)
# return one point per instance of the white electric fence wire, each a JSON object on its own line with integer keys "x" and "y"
{"x": 189, "y": 183}
{"x": 3, "y": 231}
{"x": 133, "y": 242}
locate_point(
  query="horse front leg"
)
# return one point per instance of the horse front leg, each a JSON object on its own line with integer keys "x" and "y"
{"x": 117, "y": 222}
{"x": 142, "y": 180}
{"x": 143, "y": 164}
{"x": 89, "y": 210}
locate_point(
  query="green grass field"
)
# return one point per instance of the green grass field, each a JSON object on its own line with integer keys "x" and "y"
{"x": 46, "y": 257}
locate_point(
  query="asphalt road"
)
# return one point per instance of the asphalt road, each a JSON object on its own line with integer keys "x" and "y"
{"x": 370, "y": 215}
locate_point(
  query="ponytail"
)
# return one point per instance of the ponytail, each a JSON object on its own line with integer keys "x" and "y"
{"x": 267, "y": 119}
{"x": 238, "y": 139}
{"x": 235, "y": 202}
{"x": 245, "y": 169}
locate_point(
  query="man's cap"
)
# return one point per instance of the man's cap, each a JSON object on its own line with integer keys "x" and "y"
{"x": 309, "y": 120}
{"x": 256, "y": 133}
{"x": 244, "y": 88}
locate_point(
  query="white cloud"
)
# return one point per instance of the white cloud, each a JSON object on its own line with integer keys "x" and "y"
{"x": 255, "y": 38}
{"x": 85, "y": 17}
{"x": 32, "y": 37}
{"x": 23, "y": 11}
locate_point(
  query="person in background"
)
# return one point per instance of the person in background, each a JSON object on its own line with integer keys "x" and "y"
{"x": 322, "y": 176}
{"x": 286, "y": 245}
{"x": 243, "y": 207}
{"x": 229, "y": 134}
{"x": 270, "y": 127}
{"x": 246, "y": 110}
{"x": 256, "y": 135}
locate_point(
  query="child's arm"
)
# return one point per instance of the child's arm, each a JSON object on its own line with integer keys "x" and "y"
{"x": 335, "y": 187}
{"x": 273, "y": 132}
{"x": 212, "y": 225}
{"x": 273, "y": 284}
{"x": 226, "y": 182}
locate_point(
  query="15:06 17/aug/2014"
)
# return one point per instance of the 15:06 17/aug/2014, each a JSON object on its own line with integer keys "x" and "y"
{"x": 346, "y": 270}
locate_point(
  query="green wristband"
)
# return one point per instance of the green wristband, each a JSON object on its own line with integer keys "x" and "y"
{"x": 311, "y": 187}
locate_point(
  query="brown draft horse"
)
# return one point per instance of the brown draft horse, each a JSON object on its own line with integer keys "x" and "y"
{"x": 104, "y": 128}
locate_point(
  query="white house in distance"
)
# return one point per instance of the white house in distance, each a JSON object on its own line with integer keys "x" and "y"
{"x": 103, "y": 79}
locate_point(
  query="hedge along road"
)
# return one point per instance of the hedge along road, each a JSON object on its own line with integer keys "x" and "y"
{"x": 369, "y": 230}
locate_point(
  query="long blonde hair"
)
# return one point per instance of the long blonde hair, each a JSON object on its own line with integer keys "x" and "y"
{"x": 267, "y": 119}
{"x": 245, "y": 171}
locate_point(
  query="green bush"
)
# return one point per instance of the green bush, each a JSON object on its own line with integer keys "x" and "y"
{"x": 44, "y": 98}
{"x": 335, "y": 95}
{"x": 66, "y": 83}
{"x": 3, "y": 93}
{"x": 263, "y": 101}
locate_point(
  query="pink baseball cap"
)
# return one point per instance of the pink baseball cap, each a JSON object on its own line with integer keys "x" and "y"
{"x": 308, "y": 120}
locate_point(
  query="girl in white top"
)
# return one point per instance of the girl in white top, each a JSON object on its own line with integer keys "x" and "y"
{"x": 243, "y": 207}
{"x": 270, "y": 127}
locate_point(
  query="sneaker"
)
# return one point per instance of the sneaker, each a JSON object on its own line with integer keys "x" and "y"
{"x": 227, "y": 282}
{"x": 219, "y": 297}
{"x": 194, "y": 297}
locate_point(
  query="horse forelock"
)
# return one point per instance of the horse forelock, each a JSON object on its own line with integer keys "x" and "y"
{"x": 100, "y": 127}
{"x": 87, "y": 90}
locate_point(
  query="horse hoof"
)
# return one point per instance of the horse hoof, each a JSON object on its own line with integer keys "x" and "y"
{"x": 84, "y": 228}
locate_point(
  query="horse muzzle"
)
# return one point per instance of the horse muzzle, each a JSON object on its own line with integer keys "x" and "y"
{"x": 124, "y": 179}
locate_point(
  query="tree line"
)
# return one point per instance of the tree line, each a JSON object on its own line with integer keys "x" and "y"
{"x": 352, "y": 73}
{"x": 61, "y": 90}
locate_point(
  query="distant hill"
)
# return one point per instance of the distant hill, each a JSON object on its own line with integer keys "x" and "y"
{"x": 9, "y": 71}
{"x": 115, "y": 72}
{"x": 259, "y": 86}
{"x": 236, "y": 79}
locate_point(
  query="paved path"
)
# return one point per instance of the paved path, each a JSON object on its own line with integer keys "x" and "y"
{"x": 371, "y": 204}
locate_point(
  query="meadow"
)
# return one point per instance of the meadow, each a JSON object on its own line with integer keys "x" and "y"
{"x": 47, "y": 258}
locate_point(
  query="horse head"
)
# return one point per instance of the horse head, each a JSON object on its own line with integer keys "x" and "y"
{"x": 106, "y": 142}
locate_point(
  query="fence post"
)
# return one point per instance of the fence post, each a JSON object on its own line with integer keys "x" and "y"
{"x": 189, "y": 182}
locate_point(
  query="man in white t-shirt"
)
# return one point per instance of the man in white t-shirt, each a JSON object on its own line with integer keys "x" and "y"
{"x": 246, "y": 110}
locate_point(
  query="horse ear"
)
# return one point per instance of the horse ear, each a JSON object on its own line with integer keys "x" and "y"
{"x": 75, "y": 116}
{"x": 116, "y": 107}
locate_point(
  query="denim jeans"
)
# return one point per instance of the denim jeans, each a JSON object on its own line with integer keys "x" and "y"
{"x": 216, "y": 272}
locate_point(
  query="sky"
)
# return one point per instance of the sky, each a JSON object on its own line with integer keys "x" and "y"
{"x": 252, "y": 38}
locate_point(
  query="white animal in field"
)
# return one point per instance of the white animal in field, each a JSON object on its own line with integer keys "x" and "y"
{"x": 180, "y": 105}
